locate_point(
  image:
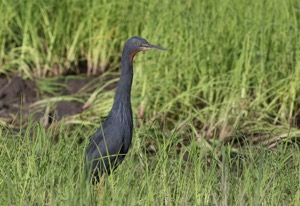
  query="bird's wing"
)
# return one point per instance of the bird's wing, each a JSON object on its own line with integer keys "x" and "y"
{"x": 112, "y": 142}
{"x": 127, "y": 137}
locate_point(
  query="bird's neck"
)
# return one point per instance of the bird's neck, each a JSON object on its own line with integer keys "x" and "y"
{"x": 122, "y": 96}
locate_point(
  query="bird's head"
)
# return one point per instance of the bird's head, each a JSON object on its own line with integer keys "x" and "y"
{"x": 136, "y": 44}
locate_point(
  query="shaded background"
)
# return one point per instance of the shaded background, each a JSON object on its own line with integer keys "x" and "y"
{"x": 230, "y": 64}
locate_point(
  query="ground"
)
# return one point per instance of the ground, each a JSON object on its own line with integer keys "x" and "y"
{"x": 18, "y": 95}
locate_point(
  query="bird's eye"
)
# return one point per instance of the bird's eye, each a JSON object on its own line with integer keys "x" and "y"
{"x": 139, "y": 43}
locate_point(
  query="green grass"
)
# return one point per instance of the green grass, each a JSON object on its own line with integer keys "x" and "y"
{"x": 231, "y": 74}
{"x": 36, "y": 170}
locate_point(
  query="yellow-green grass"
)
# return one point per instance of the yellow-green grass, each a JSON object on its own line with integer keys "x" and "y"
{"x": 231, "y": 74}
{"x": 36, "y": 170}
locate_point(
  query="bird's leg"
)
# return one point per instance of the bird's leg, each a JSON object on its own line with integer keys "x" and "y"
{"x": 101, "y": 184}
{"x": 141, "y": 115}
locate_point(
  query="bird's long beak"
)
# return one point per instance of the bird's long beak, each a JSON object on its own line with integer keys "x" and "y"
{"x": 150, "y": 46}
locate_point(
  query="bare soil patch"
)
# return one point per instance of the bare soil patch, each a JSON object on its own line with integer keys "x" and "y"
{"x": 17, "y": 94}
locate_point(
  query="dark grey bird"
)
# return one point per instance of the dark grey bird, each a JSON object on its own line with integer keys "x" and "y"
{"x": 111, "y": 142}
